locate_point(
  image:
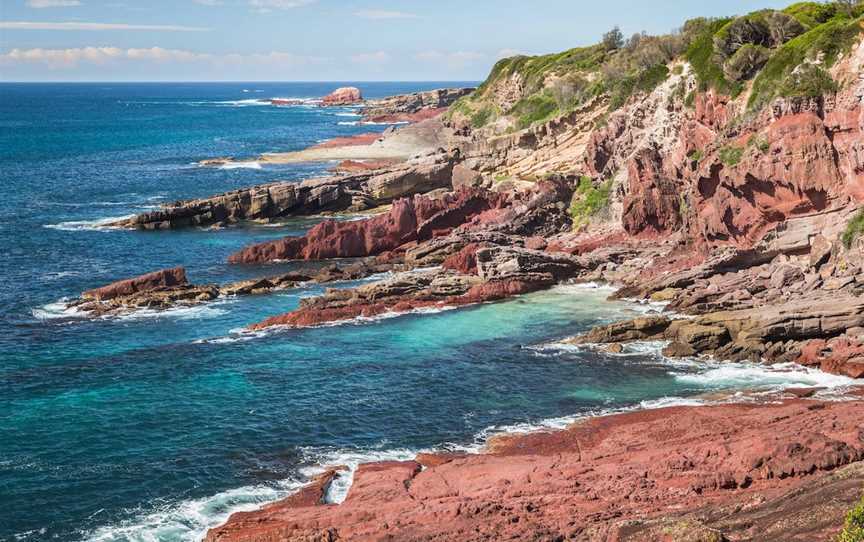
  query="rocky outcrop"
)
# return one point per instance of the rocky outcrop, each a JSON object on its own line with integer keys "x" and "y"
{"x": 502, "y": 272}
{"x": 343, "y": 96}
{"x": 169, "y": 288}
{"x": 412, "y": 107}
{"x": 408, "y": 221}
{"x": 787, "y": 471}
{"x": 358, "y": 191}
{"x": 166, "y": 278}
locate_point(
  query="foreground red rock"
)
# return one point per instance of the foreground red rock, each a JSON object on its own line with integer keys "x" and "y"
{"x": 734, "y": 472}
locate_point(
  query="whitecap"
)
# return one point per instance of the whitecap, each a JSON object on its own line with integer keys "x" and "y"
{"x": 100, "y": 224}
{"x": 348, "y": 123}
{"x": 348, "y": 115}
{"x": 755, "y": 376}
{"x": 241, "y": 165}
{"x": 190, "y": 520}
{"x": 58, "y": 310}
{"x": 372, "y": 123}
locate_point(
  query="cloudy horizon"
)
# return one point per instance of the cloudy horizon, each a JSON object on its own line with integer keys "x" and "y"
{"x": 307, "y": 40}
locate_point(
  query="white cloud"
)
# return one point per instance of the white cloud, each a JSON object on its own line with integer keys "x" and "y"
{"x": 70, "y": 58}
{"x": 378, "y": 57}
{"x": 41, "y": 4}
{"x": 266, "y": 6}
{"x": 380, "y": 14}
{"x": 22, "y": 25}
{"x": 454, "y": 60}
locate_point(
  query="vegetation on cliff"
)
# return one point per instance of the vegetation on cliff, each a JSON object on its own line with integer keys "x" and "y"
{"x": 854, "y": 229}
{"x": 853, "y": 529}
{"x": 589, "y": 200}
{"x": 769, "y": 52}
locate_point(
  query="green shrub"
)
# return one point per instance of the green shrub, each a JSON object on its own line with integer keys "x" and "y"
{"x": 534, "y": 108}
{"x": 701, "y": 56}
{"x": 644, "y": 81}
{"x": 731, "y": 155}
{"x": 589, "y": 200}
{"x": 811, "y": 14}
{"x": 746, "y": 61}
{"x": 482, "y": 116}
{"x": 808, "y": 80}
{"x": 828, "y": 40}
{"x": 760, "y": 143}
{"x": 696, "y": 155}
{"x": 854, "y": 229}
{"x": 853, "y": 528}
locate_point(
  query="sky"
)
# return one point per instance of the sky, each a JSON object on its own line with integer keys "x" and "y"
{"x": 312, "y": 40}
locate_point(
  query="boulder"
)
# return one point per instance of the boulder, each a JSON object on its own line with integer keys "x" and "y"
{"x": 343, "y": 96}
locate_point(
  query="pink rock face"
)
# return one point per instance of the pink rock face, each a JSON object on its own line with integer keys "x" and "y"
{"x": 408, "y": 220}
{"x": 590, "y": 482}
{"x": 151, "y": 281}
{"x": 343, "y": 96}
{"x": 651, "y": 206}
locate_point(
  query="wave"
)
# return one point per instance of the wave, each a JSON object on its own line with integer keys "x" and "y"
{"x": 240, "y": 165}
{"x": 373, "y": 123}
{"x": 58, "y": 310}
{"x": 765, "y": 377}
{"x": 100, "y": 224}
{"x": 348, "y": 115}
{"x": 348, "y": 123}
{"x": 190, "y": 520}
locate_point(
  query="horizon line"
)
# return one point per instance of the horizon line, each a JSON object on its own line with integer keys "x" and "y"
{"x": 246, "y": 81}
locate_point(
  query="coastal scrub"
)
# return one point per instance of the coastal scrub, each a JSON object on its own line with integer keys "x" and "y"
{"x": 589, "y": 200}
{"x": 853, "y": 528}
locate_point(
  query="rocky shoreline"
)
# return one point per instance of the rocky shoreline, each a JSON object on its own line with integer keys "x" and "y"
{"x": 742, "y": 221}
{"x": 773, "y": 471}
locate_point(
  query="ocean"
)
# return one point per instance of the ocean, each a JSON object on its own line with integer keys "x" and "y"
{"x": 157, "y": 425}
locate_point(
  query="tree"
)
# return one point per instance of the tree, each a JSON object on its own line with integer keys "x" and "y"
{"x": 614, "y": 39}
{"x": 848, "y": 6}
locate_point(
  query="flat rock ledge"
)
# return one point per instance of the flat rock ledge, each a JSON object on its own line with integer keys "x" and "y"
{"x": 732, "y": 472}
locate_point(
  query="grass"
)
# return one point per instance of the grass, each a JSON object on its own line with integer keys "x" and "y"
{"x": 731, "y": 155}
{"x": 588, "y": 200}
{"x": 811, "y": 14}
{"x": 854, "y": 230}
{"x": 853, "y": 528}
{"x": 533, "y": 109}
{"x": 827, "y": 40}
{"x": 696, "y": 155}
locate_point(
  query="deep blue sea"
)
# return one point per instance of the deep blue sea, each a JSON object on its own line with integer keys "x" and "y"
{"x": 156, "y": 426}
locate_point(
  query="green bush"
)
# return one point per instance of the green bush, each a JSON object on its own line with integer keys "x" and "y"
{"x": 808, "y": 80}
{"x": 828, "y": 40}
{"x": 482, "y": 116}
{"x": 534, "y": 108}
{"x": 811, "y": 14}
{"x": 701, "y": 56}
{"x": 760, "y": 143}
{"x": 746, "y": 61}
{"x": 731, "y": 155}
{"x": 696, "y": 155}
{"x": 643, "y": 81}
{"x": 853, "y": 528}
{"x": 854, "y": 230}
{"x": 589, "y": 200}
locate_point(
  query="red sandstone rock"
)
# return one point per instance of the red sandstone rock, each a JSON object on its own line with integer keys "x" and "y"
{"x": 359, "y": 140}
{"x": 410, "y": 118}
{"x": 618, "y": 477}
{"x": 151, "y": 281}
{"x": 464, "y": 261}
{"x": 354, "y": 166}
{"x": 408, "y": 220}
{"x": 343, "y": 96}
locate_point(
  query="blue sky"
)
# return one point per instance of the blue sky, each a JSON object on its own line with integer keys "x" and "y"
{"x": 311, "y": 40}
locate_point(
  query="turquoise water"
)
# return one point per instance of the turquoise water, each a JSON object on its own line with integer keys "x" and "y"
{"x": 156, "y": 426}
